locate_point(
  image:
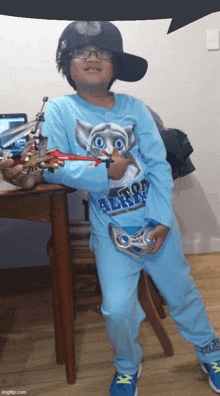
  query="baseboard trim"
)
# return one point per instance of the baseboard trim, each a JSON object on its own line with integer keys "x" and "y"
{"x": 211, "y": 245}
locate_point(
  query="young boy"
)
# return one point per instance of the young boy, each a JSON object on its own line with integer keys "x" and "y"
{"x": 133, "y": 193}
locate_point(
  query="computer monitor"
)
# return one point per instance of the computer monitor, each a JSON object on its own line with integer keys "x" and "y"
{"x": 11, "y": 121}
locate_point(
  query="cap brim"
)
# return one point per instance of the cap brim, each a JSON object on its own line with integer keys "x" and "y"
{"x": 130, "y": 67}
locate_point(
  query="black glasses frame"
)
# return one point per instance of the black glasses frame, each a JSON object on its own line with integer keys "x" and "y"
{"x": 86, "y": 54}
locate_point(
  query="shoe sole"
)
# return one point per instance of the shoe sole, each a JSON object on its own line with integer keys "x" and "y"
{"x": 138, "y": 375}
{"x": 210, "y": 381}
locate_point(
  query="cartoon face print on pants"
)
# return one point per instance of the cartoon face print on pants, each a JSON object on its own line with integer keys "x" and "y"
{"x": 105, "y": 137}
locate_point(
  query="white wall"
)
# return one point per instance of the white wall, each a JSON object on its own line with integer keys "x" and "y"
{"x": 182, "y": 85}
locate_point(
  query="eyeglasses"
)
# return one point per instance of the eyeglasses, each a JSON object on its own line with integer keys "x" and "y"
{"x": 86, "y": 54}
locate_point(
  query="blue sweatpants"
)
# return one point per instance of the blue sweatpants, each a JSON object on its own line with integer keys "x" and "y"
{"x": 119, "y": 275}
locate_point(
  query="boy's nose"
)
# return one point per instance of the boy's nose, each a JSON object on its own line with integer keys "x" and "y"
{"x": 93, "y": 56}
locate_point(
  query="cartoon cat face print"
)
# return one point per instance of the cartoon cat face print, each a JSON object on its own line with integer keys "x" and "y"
{"x": 107, "y": 136}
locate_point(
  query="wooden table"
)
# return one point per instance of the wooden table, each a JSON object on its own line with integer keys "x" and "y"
{"x": 49, "y": 203}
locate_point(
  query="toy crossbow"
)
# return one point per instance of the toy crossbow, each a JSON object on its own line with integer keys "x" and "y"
{"x": 35, "y": 154}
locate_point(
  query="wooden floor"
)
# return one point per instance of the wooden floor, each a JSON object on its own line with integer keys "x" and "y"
{"x": 28, "y": 357}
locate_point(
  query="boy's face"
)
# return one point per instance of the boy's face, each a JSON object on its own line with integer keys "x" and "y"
{"x": 91, "y": 71}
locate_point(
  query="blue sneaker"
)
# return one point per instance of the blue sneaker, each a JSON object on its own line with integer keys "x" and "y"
{"x": 213, "y": 370}
{"x": 125, "y": 385}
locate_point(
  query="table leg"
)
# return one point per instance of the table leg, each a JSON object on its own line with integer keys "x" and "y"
{"x": 58, "y": 328}
{"x": 62, "y": 266}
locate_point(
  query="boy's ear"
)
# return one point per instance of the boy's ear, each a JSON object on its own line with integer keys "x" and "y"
{"x": 83, "y": 130}
{"x": 131, "y": 136}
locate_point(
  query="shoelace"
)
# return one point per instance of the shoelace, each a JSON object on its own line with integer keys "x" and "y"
{"x": 216, "y": 367}
{"x": 124, "y": 379}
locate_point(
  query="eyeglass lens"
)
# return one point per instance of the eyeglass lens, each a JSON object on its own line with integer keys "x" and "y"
{"x": 86, "y": 54}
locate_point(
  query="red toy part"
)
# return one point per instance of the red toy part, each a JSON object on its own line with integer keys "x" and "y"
{"x": 58, "y": 156}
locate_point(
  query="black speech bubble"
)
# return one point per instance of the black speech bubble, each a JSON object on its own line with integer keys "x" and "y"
{"x": 186, "y": 13}
{"x": 182, "y": 13}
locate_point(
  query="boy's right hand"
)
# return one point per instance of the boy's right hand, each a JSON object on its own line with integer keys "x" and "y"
{"x": 119, "y": 165}
{"x": 16, "y": 176}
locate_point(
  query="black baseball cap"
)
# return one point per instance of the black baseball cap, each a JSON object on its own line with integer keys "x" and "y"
{"x": 106, "y": 35}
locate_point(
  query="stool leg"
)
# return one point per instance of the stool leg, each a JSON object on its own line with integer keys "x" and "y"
{"x": 62, "y": 267}
{"x": 152, "y": 315}
{"x": 156, "y": 299}
{"x": 98, "y": 287}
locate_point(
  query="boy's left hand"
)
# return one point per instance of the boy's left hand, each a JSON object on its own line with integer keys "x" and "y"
{"x": 160, "y": 233}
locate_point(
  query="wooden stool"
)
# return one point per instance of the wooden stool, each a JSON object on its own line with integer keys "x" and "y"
{"x": 83, "y": 262}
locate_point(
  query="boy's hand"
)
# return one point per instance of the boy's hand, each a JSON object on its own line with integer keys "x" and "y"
{"x": 17, "y": 177}
{"x": 119, "y": 165}
{"x": 160, "y": 233}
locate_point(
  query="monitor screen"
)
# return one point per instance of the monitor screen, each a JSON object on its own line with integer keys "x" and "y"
{"x": 11, "y": 121}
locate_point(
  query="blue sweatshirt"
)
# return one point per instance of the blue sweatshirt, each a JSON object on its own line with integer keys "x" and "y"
{"x": 144, "y": 193}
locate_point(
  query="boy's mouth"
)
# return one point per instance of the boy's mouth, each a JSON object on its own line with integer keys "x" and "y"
{"x": 92, "y": 69}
